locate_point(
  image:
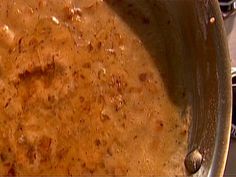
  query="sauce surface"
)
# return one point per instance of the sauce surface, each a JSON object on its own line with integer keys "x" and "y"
{"x": 81, "y": 95}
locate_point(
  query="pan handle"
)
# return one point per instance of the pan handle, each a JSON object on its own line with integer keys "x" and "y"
{"x": 233, "y": 129}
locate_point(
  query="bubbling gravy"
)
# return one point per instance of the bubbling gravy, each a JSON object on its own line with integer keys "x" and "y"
{"x": 80, "y": 94}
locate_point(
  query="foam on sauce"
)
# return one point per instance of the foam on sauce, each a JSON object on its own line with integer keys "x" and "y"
{"x": 80, "y": 95}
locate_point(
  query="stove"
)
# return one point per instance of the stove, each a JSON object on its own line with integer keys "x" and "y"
{"x": 230, "y": 26}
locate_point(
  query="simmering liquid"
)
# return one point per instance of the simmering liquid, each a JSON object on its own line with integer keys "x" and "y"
{"x": 80, "y": 94}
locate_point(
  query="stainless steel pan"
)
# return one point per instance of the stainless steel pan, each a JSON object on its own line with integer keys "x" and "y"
{"x": 194, "y": 49}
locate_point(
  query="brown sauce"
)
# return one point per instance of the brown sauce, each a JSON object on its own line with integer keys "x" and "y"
{"x": 81, "y": 95}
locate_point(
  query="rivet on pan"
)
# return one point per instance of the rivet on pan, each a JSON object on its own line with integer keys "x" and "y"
{"x": 193, "y": 161}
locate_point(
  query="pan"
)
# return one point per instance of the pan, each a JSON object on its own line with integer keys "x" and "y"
{"x": 188, "y": 42}
{"x": 197, "y": 50}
